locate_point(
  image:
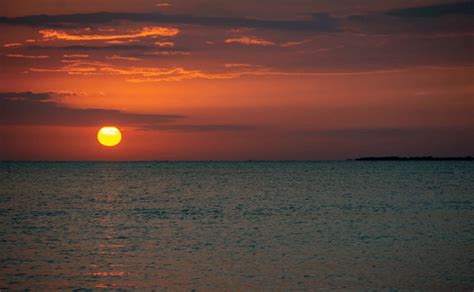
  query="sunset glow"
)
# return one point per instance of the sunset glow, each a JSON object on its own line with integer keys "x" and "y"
{"x": 292, "y": 80}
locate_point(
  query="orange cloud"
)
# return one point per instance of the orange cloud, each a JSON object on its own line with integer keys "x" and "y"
{"x": 118, "y": 42}
{"x": 163, "y": 5}
{"x": 250, "y": 41}
{"x": 26, "y": 56}
{"x": 169, "y": 53}
{"x": 165, "y": 74}
{"x": 11, "y": 45}
{"x": 151, "y": 31}
{"x": 238, "y": 65}
{"x": 156, "y": 74}
{"x": 69, "y": 70}
{"x": 86, "y": 63}
{"x": 240, "y": 30}
{"x": 75, "y": 56}
{"x": 150, "y": 74}
{"x": 293, "y": 44}
{"x": 115, "y": 57}
{"x": 164, "y": 44}
{"x": 75, "y": 67}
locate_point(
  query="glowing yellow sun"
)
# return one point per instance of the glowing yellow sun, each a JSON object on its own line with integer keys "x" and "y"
{"x": 109, "y": 136}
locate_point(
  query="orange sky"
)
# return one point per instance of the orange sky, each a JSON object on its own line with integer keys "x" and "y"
{"x": 235, "y": 81}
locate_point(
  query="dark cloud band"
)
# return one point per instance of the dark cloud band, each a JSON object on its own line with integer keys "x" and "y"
{"x": 462, "y": 8}
{"x": 29, "y": 108}
{"x": 319, "y": 23}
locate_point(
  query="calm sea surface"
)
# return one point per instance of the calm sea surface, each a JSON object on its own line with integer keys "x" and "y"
{"x": 242, "y": 225}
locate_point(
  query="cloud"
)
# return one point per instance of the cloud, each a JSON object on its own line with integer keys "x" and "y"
{"x": 396, "y": 20}
{"x": 93, "y": 48}
{"x": 28, "y": 108}
{"x": 151, "y": 74}
{"x": 72, "y": 70}
{"x": 157, "y": 74}
{"x": 387, "y": 132}
{"x": 75, "y": 67}
{"x": 368, "y": 132}
{"x": 144, "y": 32}
{"x": 164, "y": 44}
{"x": 11, "y": 45}
{"x": 115, "y": 42}
{"x": 318, "y": 23}
{"x": 138, "y": 50}
{"x": 154, "y": 74}
{"x": 435, "y": 19}
{"x": 201, "y": 128}
{"x": 248, "y": 41}
{"x": 239, "y": 65}
{"x": 115, "y": 57}
{"x": 167, "y": 53}
{"x": 460, "y": 8}
{"x": 76, "y": 56}
{"x": 82, "y": 62}
{"x": 25, "y": 96}
{"x": 240, "y": 30}
{"x": 163, "y": 5}
{"x": 26, "y": 56}
{"x": 293, "y": 44}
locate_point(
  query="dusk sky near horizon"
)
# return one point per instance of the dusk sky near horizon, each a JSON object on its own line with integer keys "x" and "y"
{"x": 236, "y": 80}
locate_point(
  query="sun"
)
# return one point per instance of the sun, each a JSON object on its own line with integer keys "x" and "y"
{"x": 109, "y": 136}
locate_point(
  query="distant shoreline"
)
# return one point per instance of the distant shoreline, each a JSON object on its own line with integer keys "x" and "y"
{"x": 415, "y": 158}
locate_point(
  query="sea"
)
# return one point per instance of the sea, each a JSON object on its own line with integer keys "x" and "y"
{"x": 239, "y": 226}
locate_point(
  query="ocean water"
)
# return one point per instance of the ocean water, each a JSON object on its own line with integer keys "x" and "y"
{"x": 237, "y": 225}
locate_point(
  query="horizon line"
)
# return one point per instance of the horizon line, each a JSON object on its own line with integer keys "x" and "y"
{"x": 366, "y": 158}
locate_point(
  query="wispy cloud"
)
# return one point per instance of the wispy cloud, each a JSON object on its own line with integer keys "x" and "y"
{"x": 235, "y": 70}
{"x": 150, "y": 74}
{"x": 163, "y": 5}
{"x": 86, "y": 62}
{"x": 11, "y": 45}
{"x": 380, "y": 133}
{"x": 115, "y": 42}
{"x": 26, "y": 56}
{"x": 75, "y": 67}
{"x": 293, "y": 44}
{"x": 144, "y": 32}
{"x": 255, "y": 41}
{"x": 95, "y": 48}
{"x": 201, "y": 128}
{"x": 72, "y": 70}
{"x": 164, "y": 44}
{"x": 76, "y": 56}
{"x": 239, "y": 65}
{"x": 240, "y": 30}
{"x": 245, "y": 40}
{"x": 168, "y": 53}
{"x": 154, "y": 74}
{"x": 115, "y": 57}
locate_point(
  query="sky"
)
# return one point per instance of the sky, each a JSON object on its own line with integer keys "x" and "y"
{"x": 236, "y": 80}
